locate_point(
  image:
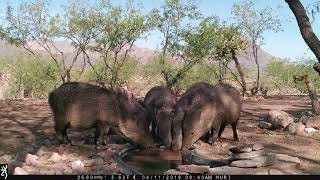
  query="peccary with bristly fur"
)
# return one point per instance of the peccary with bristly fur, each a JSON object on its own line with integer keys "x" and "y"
{"x": 84, "y": 106}
{"x": 205, "y": 108}
{"x": 160, "y": 102}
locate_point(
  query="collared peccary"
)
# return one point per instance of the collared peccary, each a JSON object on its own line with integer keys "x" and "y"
{"x": 204, "y": 108}
{"x": 160, "y": 102}
{"x": 85, "y": 106}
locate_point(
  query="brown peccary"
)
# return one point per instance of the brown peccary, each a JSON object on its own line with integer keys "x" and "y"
{"x": 204, "y": 108}
{"x": 85, "y": 106}
{"x": 159, "y": 102}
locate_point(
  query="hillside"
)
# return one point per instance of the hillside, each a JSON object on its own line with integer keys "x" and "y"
{"x": 143, "y": 54}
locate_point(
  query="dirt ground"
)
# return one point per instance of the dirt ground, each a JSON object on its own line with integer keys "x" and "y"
{"x": 275, "y": 141}
{"x": 26, "y": 126}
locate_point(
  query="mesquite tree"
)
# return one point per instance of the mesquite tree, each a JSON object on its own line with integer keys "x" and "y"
{"x": 254, "y": 23}
{"x": 314, "y": 44}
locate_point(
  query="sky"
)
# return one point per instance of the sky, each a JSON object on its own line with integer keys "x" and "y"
{"x": 287, "y": 43}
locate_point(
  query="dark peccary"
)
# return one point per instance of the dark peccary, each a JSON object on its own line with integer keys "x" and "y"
{"x": 192, "y": 94}
{"x": 159, "y": 102}
{"x": 85, "y": 106}
{"x": 205, "y": 108}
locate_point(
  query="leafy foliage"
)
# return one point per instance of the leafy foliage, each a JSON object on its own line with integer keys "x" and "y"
{"x": 37, "y": 76}
{"x": 281, "y": 74}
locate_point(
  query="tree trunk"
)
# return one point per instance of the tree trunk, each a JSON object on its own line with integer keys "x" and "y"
{"x": 243, "y": 80}
{"x": 305, "y": 27}
{"x": 255, "y": 54}
{"x": 312, "y": 92}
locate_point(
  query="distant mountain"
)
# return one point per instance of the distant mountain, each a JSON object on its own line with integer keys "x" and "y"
{"x": 246, "y": 58}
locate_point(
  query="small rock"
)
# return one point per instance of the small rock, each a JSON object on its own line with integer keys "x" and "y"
{"x": 77, "y": 165}
{"x": 55, "y": 157}
{"x": 67, "y": 170}
{"x": 41, "y": 151}
{"x": 257, "y": 147}
{"x": 98, "y": 161}
{"x": 20, "y": 171}
{"x": 264, "y": 125}
{"x": 248, "y": 155}
{"x": 5, "y": 159}
{"x": 254, "y": 162}
{"x": 313, "y": 122}
{"x": 174, "y": 172}
{"x": 193, "y": 168}
{"x": 241, "y": 149}
{"x": 88, "y": 163}
{"x": 279, "y": 119}
{"x": 287, "y": 158}
{"x": 310, "y": 130}
{"x": 296, "y": 128}
{"x": 113, "y": 167}
{"x": 230, "y": 171}
{"x": 31, "y": 160}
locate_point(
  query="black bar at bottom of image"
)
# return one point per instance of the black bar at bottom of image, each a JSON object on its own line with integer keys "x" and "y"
{"x": 160, "y": 177}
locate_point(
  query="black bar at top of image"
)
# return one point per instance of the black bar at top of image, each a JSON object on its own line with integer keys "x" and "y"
{"x": 161, "y": 177}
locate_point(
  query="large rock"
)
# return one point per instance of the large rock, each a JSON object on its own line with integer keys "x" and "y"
{"x": 248, "y": 155}
{"x": 264, "y": 125}
{"x": 287, "y": 158}
{"x": 254, "y": 162}
{"x": 279, "y": 119}
{"x": 230, "y": 171}
{"x": 20, "y": 171}
{"x": 193, "y": 168}
{"x": 313, "y": 122}
{"x": 296, "y": 128}
{"x": 174, "y": 172}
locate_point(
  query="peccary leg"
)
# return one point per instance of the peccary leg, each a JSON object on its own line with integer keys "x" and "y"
{"x": 215, "y": 132}
{"x": 234, "y": 129}
{"x": 61, "y": 130}
{"x": 223, "y": 125}
{"x": 101, "y": 136}
{"x": 176, "y": 132}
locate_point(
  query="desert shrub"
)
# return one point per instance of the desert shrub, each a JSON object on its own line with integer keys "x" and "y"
{"x": 38, "y": 76}
{"x": 281, "y": 72}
